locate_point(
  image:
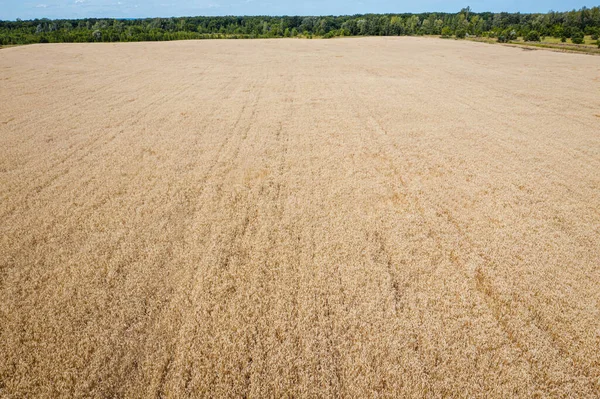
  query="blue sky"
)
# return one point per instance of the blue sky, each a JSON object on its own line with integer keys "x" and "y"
{"x": 28, "y": 9}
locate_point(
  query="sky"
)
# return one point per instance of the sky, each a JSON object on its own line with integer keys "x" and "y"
{"x": 30, "y": 9}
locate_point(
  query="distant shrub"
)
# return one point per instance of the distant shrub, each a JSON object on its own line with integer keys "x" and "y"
{"x": 533, "y": 36}
{"x": 595, "y": 36}
{"x": 577, "y": 38}
{"x": 460, "y": 33}
{"x": 507, "y": 36}
{"x": 43, "y": 40}
{"x": 563, "y": 39}
{"x": 446, "y": 31}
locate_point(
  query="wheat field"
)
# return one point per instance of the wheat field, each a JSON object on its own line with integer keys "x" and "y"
{"x": 373, "y": 217}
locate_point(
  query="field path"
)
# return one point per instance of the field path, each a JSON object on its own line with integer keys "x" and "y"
{"x": 366, "y": 217}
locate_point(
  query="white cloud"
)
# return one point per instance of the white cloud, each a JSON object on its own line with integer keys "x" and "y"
{"x": 41, "y": 6}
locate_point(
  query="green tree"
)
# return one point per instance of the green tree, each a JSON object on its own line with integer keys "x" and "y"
{"x": 533, "y": 36}
{"x": 396, "y": 25}
{"x": 577, "y": 38}
{"x": 426, "y": 27}
{"x": 413, "y": 24}
{"x": 438, "y": 25}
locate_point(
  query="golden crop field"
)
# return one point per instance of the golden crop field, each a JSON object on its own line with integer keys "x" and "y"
{"x": 373, "y": 217}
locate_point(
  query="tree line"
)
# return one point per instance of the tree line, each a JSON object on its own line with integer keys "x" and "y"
{"x": 504, "y": 26}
